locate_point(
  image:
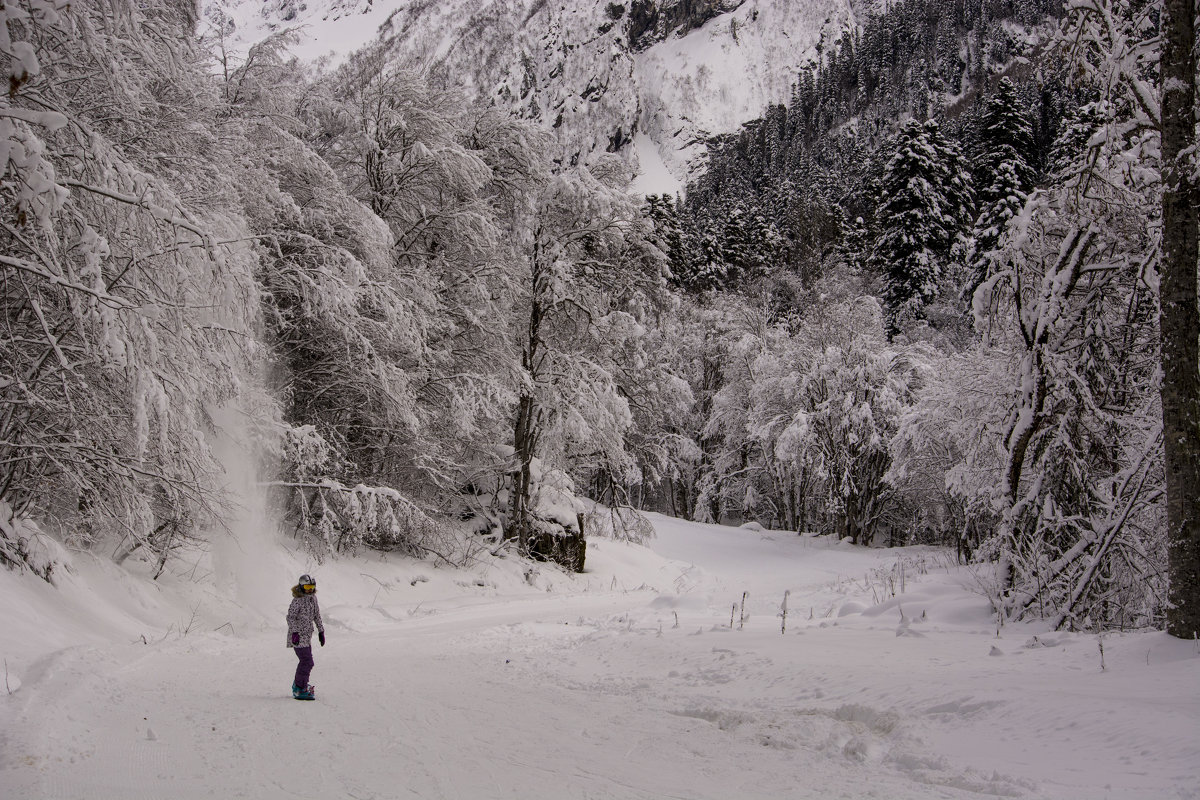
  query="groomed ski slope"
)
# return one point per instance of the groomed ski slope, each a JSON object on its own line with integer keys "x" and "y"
{"x": 625, "y": 682}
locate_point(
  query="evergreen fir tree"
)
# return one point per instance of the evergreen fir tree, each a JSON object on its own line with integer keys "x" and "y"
{"x": 854, "y": 248}
{"x": 663, "y": 212}
{"x": 737, "y": 243}
{"x": 1077, "y": 129}
{"x": 1006, "y": 137}
{"x": 709, "y": 270}
{"x": 925, "y": 203}
{"x": 1005, "y": 176}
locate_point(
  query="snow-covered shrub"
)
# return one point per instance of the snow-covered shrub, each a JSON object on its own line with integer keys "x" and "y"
{"x": 555, "y": 513}
{"x": 332, "y": 517}
{"x": 621, "y": 523}
{"x": 945, "y": 454}
{"x": 797, "y": 434}
{"x": 23, "y": 546}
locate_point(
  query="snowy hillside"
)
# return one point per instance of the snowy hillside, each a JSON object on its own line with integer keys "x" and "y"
{"x": 629, "y": 681}
{"x": 652, "y": 86}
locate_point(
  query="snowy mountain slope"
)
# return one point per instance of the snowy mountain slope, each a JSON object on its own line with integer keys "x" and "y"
{"x": 724, "y": 74}
{"x": 651, "y": 79}
{"x": 625, "y": 682}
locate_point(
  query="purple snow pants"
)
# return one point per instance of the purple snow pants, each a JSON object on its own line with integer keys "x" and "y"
{"x": 304, "y": 668}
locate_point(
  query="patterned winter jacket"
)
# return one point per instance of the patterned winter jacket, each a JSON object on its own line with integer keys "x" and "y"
{"x": 302, "y": 613}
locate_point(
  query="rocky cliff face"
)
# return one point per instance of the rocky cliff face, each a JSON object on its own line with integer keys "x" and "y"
{"x": 650, "y": 80}
{"x": 652, "y": 21}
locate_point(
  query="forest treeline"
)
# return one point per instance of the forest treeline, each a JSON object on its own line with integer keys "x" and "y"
{"x": 917, "y": 303}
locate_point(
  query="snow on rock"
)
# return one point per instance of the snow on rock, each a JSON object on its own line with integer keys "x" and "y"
{"x": 727, "y": 72}
{"x": 654, "y": 176}
{"x": 591, "y": 71}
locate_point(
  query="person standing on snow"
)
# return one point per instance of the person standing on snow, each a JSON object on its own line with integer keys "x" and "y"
{"x": 301, "y": 615}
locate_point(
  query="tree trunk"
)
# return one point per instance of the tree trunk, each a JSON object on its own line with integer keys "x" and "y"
{"x": 523, "y": 445}
{"x": 1180, "y": 319}
{"x": 793, "y": 519}
{"x": 687, "y": 497}
{"x": 526, "y": 430}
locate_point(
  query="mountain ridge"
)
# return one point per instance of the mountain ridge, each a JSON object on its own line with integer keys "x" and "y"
{"x": 651, "y": 81}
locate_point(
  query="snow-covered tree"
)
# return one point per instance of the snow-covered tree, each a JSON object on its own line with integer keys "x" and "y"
{"x": 1004, "y": 176}
{"x": 663, "y": 213}
{"x": 798, "y": 427}
{"x": 734, "y": 480}
{"x": 660, "y": 441}
{"x": 339, "y": 328}
{"x": 126, "y": 282}
{"x": 924, "y": 206}
{"x": 851, "y": 398}
{"x": 586, "y": 270}
{"x": 1180, "y": 315}
{"x": 1080, "y": 489}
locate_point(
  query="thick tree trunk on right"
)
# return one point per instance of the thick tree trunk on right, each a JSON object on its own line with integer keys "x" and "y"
{"x": 1180, "y": 320}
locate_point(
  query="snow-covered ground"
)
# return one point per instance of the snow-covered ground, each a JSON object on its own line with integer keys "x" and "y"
{"x": 625, "y": 682}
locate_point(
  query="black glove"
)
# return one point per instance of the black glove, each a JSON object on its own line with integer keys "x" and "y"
{"x": 321, "y": 637}
{"x": 295, "y": 640}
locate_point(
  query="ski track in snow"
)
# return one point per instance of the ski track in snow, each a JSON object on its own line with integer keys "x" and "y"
{"x": 602, "y": 694}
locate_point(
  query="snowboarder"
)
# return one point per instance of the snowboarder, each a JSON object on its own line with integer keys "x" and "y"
{"x": 301, "y": 615}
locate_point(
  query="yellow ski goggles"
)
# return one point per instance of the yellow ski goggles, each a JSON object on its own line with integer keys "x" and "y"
{"x": 308, "y": 587}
